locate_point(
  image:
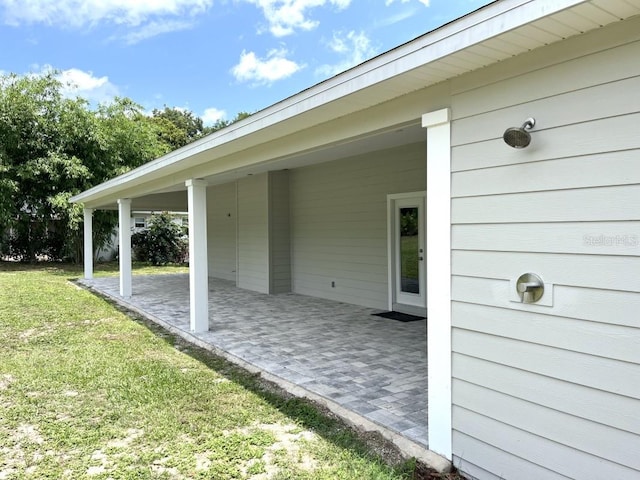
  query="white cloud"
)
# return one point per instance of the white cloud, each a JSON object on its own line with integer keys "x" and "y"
{"x": 78, "y": 13}
{"x": 424, "y": 2}
{"x": 212, "y": 115}
{"x": 397, "y": 18}
{"x": 149, "y": 17}
{"x": 287, "y": 16}
{"x": 154, "y": 28}
{"x": 354, "y": 47}
{"x": 264, "y": 71}
{"x": 78, "y": 83}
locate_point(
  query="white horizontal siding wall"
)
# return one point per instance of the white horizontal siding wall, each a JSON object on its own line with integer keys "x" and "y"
{"x": 549, "y": 391}
{"x": 221, "y": 231}
{"x": 253, "y": 233}
{"x": 339, "y": 223}
{"x": 279, "y": 232}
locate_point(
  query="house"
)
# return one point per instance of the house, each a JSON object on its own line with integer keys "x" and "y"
{"x": 139, "y": 221}
{"x": 529, "y": 377}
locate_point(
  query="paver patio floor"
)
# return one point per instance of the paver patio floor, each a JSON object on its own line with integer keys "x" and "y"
{"x": 373, "y": 366}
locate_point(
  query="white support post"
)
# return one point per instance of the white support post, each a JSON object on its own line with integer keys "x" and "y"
{"x": 198, "y": 270}
{"x": 439, "y": 280}
{"x": 124, "y": 242}
{"x": 88, "y": 243}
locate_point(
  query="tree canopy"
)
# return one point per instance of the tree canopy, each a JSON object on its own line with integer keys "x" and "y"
{"x": 53, "y": 147}
{"x": 222, "y": 123}
{"x": 178, "y": 127}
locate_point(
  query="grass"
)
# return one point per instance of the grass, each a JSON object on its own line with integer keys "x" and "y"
{"x": 89, "y": 392}
{"x": 409, "y": 257}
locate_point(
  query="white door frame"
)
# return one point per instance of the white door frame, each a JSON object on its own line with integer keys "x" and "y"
{"x": 395, "y": 301}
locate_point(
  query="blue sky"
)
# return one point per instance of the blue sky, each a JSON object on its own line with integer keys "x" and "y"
{"x": 213, "y": 57}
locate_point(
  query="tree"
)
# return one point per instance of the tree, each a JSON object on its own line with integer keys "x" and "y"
{"x": 51, "y": 148}
{"x": 222, "y": 123}
{"x": 162, "y": 242}
{"x": 40, "y": 164}
{"x": 178, "y": 127}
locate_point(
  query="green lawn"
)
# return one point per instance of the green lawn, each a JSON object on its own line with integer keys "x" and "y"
{"x": 409, "y": 256}
{"x": 88, "y": 392}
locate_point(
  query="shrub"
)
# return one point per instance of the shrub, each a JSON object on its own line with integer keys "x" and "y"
{"x": 162, "y": 242}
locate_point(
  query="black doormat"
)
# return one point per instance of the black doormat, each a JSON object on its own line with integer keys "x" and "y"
{"x": 401, "y": 317}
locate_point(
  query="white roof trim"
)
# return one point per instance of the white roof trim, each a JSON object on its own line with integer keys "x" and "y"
{"x": 483, "y": 24}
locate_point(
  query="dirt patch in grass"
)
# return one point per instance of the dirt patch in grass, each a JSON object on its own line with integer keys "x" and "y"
{"x": 369, "y": 442}
{"x": 104, "y": 394}
{"x": 290, "y": 446}
{"x": 16, "y": 455}
{"x": 6, "y": 379}
{"x": 373, "y": 441}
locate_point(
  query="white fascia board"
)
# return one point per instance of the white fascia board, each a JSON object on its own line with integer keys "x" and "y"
{"x": 476, "y": 27}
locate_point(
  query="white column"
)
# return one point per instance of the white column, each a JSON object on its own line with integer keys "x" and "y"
{"x": 198, "y": 270}
{"x": 124, "y": 242}
{"x": 88, "y": 243}
{"x": 439, "y": 279}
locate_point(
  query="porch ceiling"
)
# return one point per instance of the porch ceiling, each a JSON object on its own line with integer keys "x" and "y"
{"x": 171, "y": 195}
{"x": 326, "y": 121}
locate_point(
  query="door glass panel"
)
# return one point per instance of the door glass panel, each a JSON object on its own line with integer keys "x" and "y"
{"x": 409, "y": 250}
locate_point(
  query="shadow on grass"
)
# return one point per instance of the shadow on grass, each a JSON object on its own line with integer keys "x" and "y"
{"x": 305, "y": 412}
{"x": 101, "y": 269}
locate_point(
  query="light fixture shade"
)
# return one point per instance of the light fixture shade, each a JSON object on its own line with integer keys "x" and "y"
{"x": 519, "y": 137}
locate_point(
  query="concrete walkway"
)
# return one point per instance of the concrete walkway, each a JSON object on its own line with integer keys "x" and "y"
{"x": 369, "y": 365}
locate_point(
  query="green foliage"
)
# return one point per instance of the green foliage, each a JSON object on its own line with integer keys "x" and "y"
{"x": 220, "y": 124}
{"x": 409, "y": 222}
{"x": 177, "y": 126}
{"x": 53, "y": 147}
{"x": 38, "y": 164}
{"x": 88, "y": 392}
{"x": 131, "y": 137}
{"x": 162, "y": 242}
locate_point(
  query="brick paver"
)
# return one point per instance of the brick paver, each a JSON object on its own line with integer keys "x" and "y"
{"x": 373, "y": 366}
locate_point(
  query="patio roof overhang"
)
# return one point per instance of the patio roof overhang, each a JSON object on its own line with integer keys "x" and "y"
{"x": 361, "y": 109}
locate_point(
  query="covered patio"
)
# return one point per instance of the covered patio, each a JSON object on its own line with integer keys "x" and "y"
{"x": 372, "y": 369}
{"x": 306, "y": 206}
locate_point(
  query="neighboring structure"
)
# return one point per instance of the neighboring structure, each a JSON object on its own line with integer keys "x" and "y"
{"x": 139, "y": 220}
{"x": 310, "y": 196}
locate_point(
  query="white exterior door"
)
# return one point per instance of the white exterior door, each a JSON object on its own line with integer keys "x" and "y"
{"x": 407, "y": 253}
